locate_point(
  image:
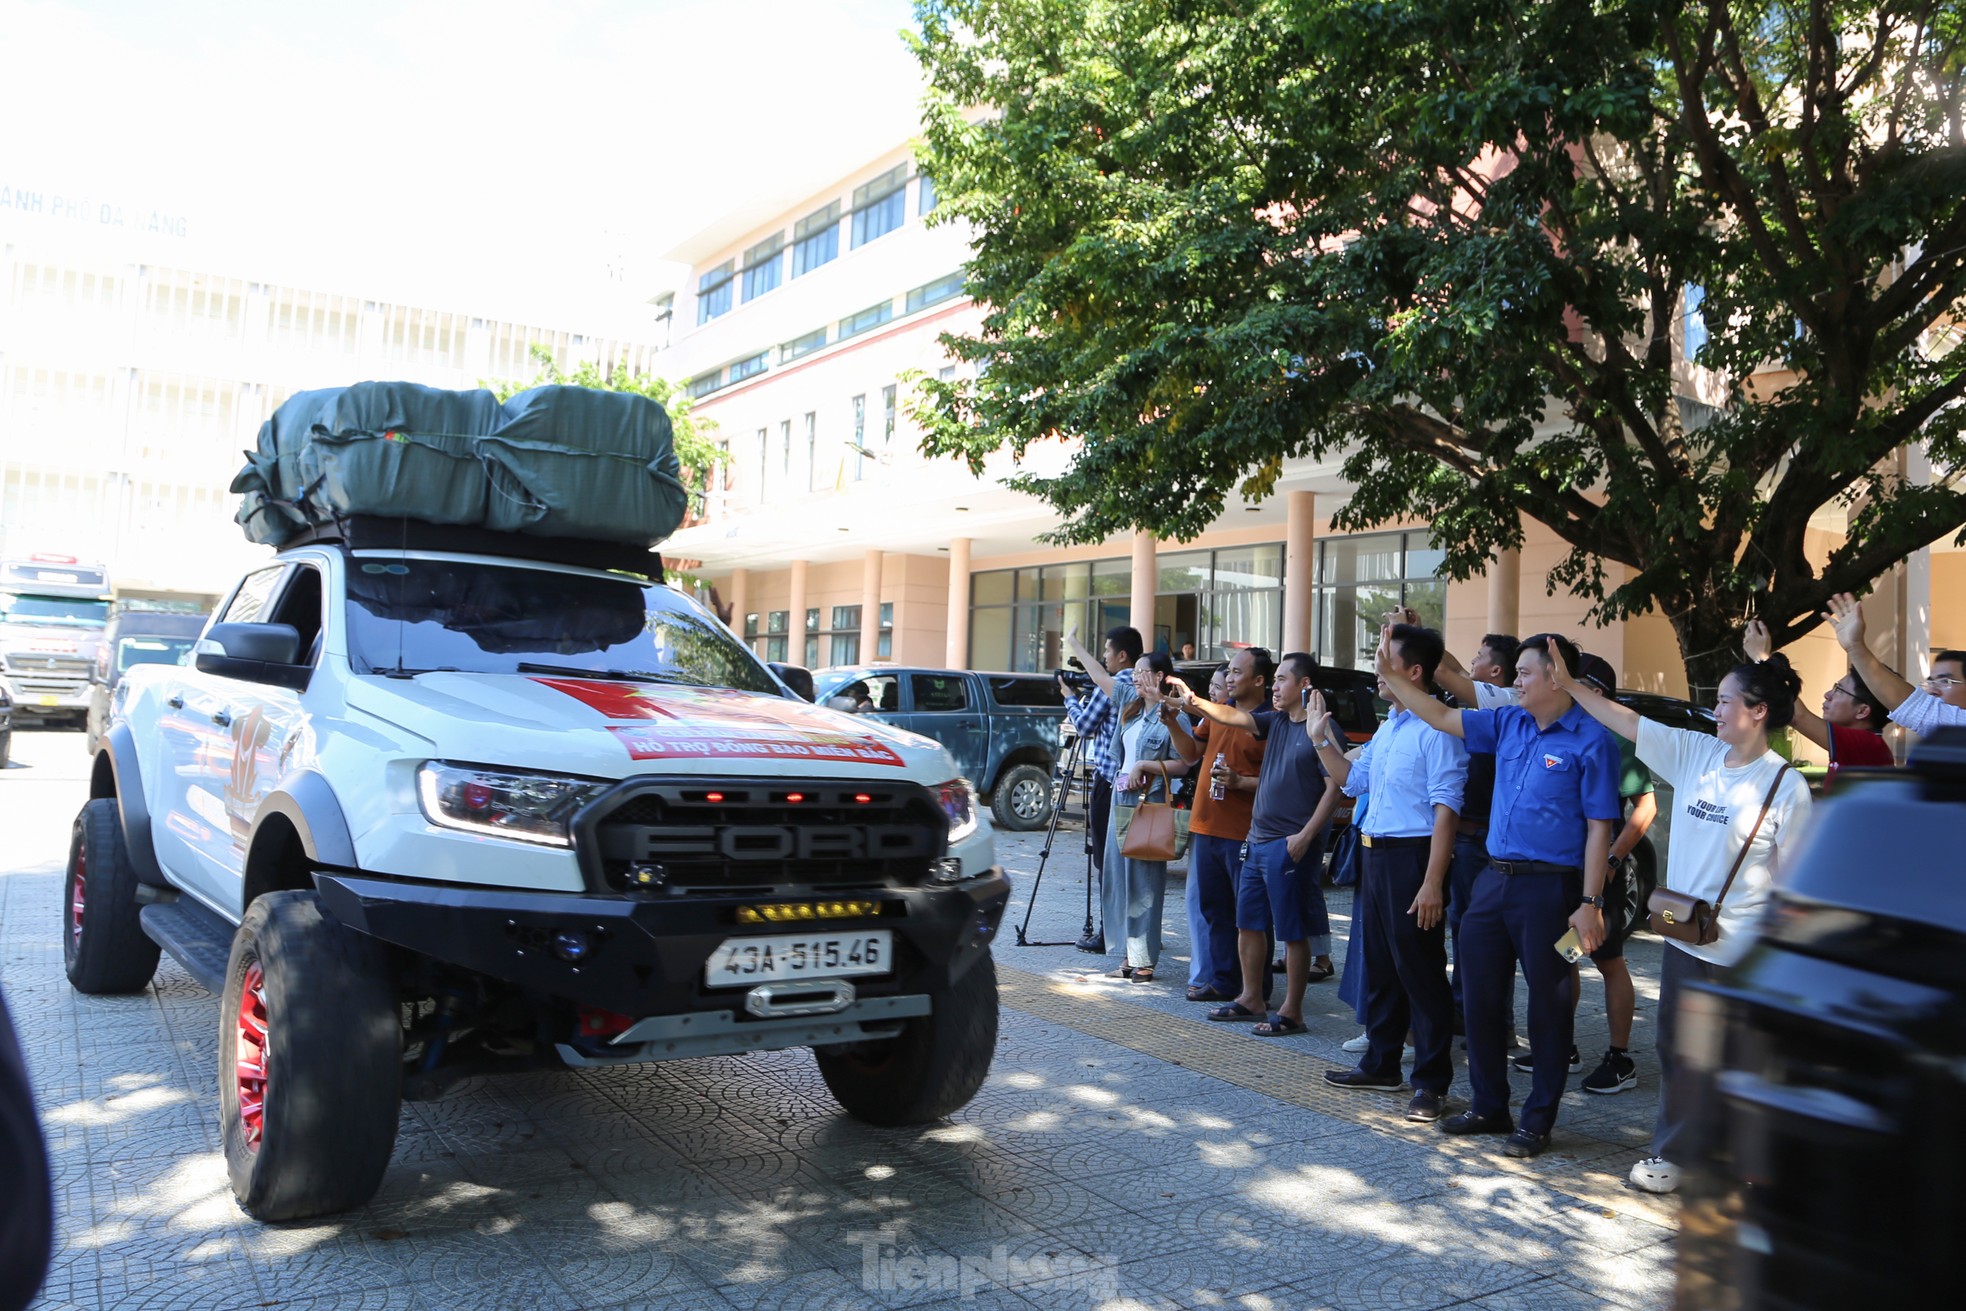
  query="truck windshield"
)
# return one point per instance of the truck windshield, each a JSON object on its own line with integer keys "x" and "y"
{"x": 152, "y": 651}
{"x": 23, "y": 608}
{"x": 418, "y": 615}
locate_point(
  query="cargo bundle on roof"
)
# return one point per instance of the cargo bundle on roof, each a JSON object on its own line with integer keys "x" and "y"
{"x": 559, "y": 462}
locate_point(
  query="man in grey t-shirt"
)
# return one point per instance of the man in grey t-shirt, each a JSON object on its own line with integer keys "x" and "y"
{"x": 1278, "y": 887}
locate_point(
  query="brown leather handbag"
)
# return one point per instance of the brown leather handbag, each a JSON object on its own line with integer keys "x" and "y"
{"x": 1156, "y": 832}
{"x": 1686, "y": 918}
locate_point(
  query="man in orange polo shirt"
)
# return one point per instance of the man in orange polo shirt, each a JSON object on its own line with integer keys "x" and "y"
{"x": 1231, "y": 760}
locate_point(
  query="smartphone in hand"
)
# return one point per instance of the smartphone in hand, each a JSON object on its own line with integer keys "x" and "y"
{"x": 1570, "y": 946}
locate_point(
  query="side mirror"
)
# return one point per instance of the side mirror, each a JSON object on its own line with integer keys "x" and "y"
{"x": 253, "y": 653}
{"x": 796, "y": 677}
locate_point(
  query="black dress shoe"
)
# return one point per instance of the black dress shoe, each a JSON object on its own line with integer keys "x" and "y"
{"x": 1469, "y": 1122}
{"x": 1359, "y": 1079}
{"x": 1524, "y": 1142}
{"x": 1425, "y": 1107}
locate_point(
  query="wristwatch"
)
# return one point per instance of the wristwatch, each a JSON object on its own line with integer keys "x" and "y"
{"x": 1596, "y": 900}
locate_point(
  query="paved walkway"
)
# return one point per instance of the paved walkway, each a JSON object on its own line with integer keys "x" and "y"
{"x": 1124, "y": 1154}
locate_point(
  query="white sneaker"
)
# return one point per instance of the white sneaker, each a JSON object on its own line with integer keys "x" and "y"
{"x": 1655, "y": 1174}
{"x": 1364, "y": 1041}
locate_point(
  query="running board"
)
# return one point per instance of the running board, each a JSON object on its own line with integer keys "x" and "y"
{"x": 195, "y": 937}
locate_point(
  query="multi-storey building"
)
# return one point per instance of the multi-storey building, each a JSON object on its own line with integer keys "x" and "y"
{"x": 129, "y": 388}
{"x": 802, "y": 323}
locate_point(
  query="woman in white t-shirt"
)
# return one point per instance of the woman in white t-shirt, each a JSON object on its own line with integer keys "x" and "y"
{"x": 1719, "y": 785}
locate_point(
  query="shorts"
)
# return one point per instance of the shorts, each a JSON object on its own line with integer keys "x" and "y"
{"x": 1617, "y": 915}
{"x": 1270, "y": 892}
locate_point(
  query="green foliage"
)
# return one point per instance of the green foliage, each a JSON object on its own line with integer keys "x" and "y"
{"x": 1443, "y": 244}
{"x": 695, "y": 448}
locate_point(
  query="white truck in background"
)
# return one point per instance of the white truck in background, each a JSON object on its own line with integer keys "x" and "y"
{"x": 53, "y": 609}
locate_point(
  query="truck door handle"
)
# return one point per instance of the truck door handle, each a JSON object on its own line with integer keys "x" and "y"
{"x": 223, "y": 718}
{"x": 175, "y": 703}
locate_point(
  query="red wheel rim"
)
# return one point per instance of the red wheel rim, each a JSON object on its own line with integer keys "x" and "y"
{"x": 250, "y": 1058}
{"x": 78, "y": 895}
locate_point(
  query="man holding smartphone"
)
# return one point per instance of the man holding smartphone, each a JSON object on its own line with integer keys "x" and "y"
{"x": 1278, "y": 887}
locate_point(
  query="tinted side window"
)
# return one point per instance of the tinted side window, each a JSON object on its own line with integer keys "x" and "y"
{"x": 250, "y": 600}
{"x": 940, "y": 692}
{"x": 1041, "y": 693}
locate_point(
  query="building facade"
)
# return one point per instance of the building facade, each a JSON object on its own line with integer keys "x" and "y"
{"x": 130, "y": 386}
{"x": 802, "y": 325}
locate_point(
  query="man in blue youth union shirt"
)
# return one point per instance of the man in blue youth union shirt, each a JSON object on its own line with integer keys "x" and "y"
{"x": 1549, "y": 841}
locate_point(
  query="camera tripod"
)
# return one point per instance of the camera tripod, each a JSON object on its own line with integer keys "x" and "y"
{"x": 1089, "y": 936}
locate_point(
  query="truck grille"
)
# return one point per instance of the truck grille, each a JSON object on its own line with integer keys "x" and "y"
{"x": 720, "y": 836}
{"x": 39, "y": 675}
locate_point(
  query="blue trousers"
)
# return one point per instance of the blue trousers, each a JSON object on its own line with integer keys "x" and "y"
{"x": 1132, "y": 894}
{"x": 1470, "y": 858}
{"x": 1518, "y": 917}
{"x": 1213, "y": 864}
{"x": 1405, "y": 972}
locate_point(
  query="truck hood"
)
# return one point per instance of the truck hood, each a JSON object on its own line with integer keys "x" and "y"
{"x": 607, "y": 729}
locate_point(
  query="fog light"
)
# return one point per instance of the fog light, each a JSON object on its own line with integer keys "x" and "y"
{"x": 571, "y": 945}
{"x": 646, "y": 876}
{"x": 946, "y": 869}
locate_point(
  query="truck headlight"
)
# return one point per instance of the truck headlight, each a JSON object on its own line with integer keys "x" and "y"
{"x": 524, "y": 807}
{"x": 958, "y": 800}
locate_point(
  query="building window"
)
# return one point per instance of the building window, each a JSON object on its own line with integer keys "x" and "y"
{"x": 947, "y": 373}
{"x": 947, "y": 287}
{"x": 880, "y": 206}
{"x": 776, "y": 636}
{"x": 764, "y": 461}
{"x": 887, "y": 420}
{"x": 763, "y": 264}
{"x": 798, "y": 346}
{"x": 706, "y": 383}
{"x": 1018, "y": 618}
{"x": 816, "y": 240}
{"x": 785, "y": 448}
{"x": 1218, "y": 600}
{"x": 1360, "y": 578}
{"x": 842, "y": 639}
{"x": 713, "y": 293}
{"x": 871, "y": 317}
{"x": 926, "y": 205}
{"x": 884, "y": 647}
{"x": 859, "y": 437}
{"x": 812, "y": 638}
{"x": 1696, "y": 320}
{"x": 812, "y": 461}
{"x": 750, "y": 368}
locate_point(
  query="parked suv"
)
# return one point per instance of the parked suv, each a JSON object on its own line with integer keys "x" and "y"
{"x": 430, "y": 804}
{"x": 1831, "y": 1066}
{"x": 136, "y": 637}
{"x": 1004, "y": 730}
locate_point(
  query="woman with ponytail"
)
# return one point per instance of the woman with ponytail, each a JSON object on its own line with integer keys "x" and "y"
{"x": 1740, "y": 810}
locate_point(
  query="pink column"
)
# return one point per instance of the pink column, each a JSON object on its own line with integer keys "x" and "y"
{"x": 870, "y": 605}
{"x": 1146, "y": 581}
{"x": 1299, "y": 569}
{"x": 956, "y": 652}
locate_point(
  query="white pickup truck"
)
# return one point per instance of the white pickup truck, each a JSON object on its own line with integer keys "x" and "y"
{"x": 432, "y": 809}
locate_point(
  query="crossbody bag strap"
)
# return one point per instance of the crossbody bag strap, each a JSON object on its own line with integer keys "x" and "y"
{"x": 1766, "y": 802}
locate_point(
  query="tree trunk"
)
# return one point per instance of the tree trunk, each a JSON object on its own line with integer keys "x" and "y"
{"x": 1709, "y": 643}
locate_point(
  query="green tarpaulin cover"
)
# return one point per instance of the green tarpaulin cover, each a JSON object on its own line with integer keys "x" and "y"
{"x": 552, "y": 461}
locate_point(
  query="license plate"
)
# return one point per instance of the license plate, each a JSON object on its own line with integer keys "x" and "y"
{"x": 47, "y": 700}
{"x": 742, "y": 961}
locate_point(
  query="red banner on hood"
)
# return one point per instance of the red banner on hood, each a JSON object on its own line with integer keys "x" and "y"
{"x": 716, "y": 723}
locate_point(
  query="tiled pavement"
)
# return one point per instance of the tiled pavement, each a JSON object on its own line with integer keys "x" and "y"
{"x": 1124, "y": 1154}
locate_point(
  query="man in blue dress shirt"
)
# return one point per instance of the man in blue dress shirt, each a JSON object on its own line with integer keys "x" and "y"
{"x": 1549, "y": 842}
{"x": 1416, "y": 777}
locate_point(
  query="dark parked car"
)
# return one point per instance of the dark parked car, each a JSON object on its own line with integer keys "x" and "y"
{"x": 135, "y": 637}
{"x": 1831, "y": 1066}
{"x": 1003, "y": 729}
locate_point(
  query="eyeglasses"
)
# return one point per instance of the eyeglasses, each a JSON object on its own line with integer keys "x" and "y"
{"x": 1944, "y": 681}
{"x": 1850, "y": 692}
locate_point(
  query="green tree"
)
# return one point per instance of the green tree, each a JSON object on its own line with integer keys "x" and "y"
{"x": 696, "y": 448}
{"x": 1451, "y": 242}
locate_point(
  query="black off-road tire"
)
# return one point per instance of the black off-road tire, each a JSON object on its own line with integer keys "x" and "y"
{"x": 1641, "y": 877}
{"x": 103, "y": 947}
{"x": 330, "y": 1081}
{"x": 1022, "y": 799}
{"x": 933, "y": 1068}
